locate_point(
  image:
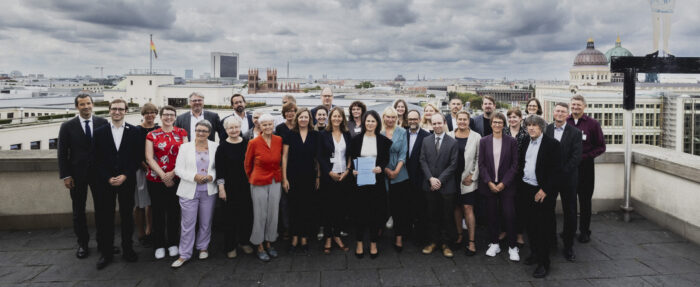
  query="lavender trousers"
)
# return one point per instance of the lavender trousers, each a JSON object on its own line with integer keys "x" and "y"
{"x": 201, "y": 205}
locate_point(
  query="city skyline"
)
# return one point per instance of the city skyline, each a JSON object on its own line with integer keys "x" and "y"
{"x": 342, "y": 39}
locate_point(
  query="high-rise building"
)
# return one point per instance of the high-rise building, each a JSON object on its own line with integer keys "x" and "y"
{"x": 224, "y": 65}
{"x": 189, "y": 74}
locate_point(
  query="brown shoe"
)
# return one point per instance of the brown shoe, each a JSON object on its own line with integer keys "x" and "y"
{"x": 447, "y": 252}
{"x": 429, "y": 249}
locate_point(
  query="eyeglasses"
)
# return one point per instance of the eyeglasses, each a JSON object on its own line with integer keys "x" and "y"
{"x": 202, "y": 131}
{"x": 196, "y": 100}
{"x": 117, "y": 109}
{"x": 497, "y": 123}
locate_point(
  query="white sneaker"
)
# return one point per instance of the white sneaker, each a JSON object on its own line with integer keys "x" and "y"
{"x": 493, "y": 249}
{"x": 390, "y": 223}
{"x": 514, "y": 253}
{"x": 160, "y": 253}
{"x": 203, "y": 254}
{"x": 464, "y": 224}
{"x": 173, "y": 251}
{"x": 319, "y": 236}
{"x": 177, "y": 263}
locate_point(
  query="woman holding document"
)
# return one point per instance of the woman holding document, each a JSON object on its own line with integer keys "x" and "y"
{"x": 369, "y": 151}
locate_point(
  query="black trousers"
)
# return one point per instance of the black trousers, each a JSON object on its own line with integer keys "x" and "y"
{"x": 106, "y": 203}
{"x": 521, "y": 203}
{"x": 539, "y": 223}
{"x": 370, "y": 211}
{"x": 333, "y": 196}
{"x": 441, "y": 222}
{"x": 78, "y": 195}
{"x": 569, "y": 207}
{"x": 300, "y": 200}
{"x": 237, "y": 217}
{"x": 419, "y": 215}
{"x": 500, "y": 210}
{"x": 399, "y": 207}
{"x": 165, "y": 209}
{"x": 586, "y": 183}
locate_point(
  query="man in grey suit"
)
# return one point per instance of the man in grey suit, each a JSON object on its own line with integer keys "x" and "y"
{"x": 570, "y": 139}
{"x": 482, "y": 123}
{"x": 438, "y": 159}
{"x": 197, "y": 113}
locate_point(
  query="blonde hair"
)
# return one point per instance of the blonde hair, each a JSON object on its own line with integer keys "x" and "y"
{"x": 426, "y": 121}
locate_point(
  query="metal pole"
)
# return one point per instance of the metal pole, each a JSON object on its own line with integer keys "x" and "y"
{"x": 150, "y": 58}
{"x": 628, "y": 91}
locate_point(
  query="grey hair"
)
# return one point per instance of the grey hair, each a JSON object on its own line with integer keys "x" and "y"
{"x": 198, "y": 94}
{"x": 232, "y": 120}
{"x": 204, "y": 123}
{"x": 266, "y": 118}
{"x": 535, "y": 121}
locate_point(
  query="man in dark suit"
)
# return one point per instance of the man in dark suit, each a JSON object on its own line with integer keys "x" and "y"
{"x": 117, "y": 157}
{"x": 197, "y": 113}
{"x": 482, "y": 123}
{"x": 570, "y": 139}
{"x": 456, "y": 105}
{"x": 326, "y": 101}
{"x": 540, "y": 164}
{"x": 238, "y": 104}
{"x": 438, "y": 159}
{"x": 415, "y": 137}
{"x": 75, "y": 165}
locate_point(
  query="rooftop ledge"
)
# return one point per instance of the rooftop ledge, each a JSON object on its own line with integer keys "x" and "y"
{"x": 665, "y": 188}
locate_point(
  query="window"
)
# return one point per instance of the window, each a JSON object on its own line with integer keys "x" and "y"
{"x": 638, "y": 106}
{"x": 132, "y": 82}
{"x": 608, "y": 106}
{"x": 619, "y": 120}
{"x": 638, "y": 120}
{"x": 617, "y": 139}
{"x": 638, "y": 139}
{"x": 53, "y": 143}
{"x": 657, "y": 123}
{"x": 598, "y": 116}
{"x": 650, "y": 106}
{"x": 10, "y": 115}
{"x": 649, "y": 120}
{"x": 150, "y": 82}
{"x": 33, "y": 114}
{"x": 608, "y": 139}
{"x": 26, "y": 115}
{"x": 16, "y": 147}
{"x": 35, "y": 145}
{"x": 649, "y": 139}
{"x": 607, "y": 119}
{"x": 618, "y": 106}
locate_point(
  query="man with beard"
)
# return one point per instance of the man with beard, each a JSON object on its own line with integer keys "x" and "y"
{"x": 197, "y": 113}
{"x": 456, "y": 105}
{"x": 482, "y": 123}
{"x": 238, "y": 105}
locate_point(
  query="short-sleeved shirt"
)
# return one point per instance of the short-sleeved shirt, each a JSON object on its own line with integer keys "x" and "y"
{"x": 165, "y": 149}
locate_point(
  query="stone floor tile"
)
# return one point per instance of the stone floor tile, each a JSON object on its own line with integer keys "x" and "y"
{"x": 415, "y": 276}
{"x": 308, "y": 278}
{"x": 20, "y": 274}
{"x": 350, "y": 278}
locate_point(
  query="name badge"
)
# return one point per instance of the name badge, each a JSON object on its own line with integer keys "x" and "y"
{"x": 358, "y": 129}
{"x": 583, "y": 137}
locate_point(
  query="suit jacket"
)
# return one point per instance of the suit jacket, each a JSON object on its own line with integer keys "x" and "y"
{"x": 222, "y": 130}
{"x": 186, "y": 169}
{"x": 415, "y": 173}
{"x": 441, "y": 166}
{"x": 383, "y": 146}
{"x": 111, "y": 162}
{"x": 183, "y": 121}
{"x": 477, "y": 124}
{"x": 75, "y": 149}
{"x": 448, "y": 121}
{"x": 547, "y": 165}
{"x": 507, "y": 165}
{"x": 571, "y": 147}
{"x": 326, "y": 148}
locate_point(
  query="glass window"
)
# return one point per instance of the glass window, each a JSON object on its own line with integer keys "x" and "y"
{"x": 53, "y": 143}
{"x": 10, "y": 115}
{"x": 598, "y": 116}
{"x": 619, "y": 119}
{"x": 607, "y": 119}
{"x": 617, "y": 139}
{"x": 650, "y": 106}
{"x": 657, "y": 122}
{"x": 638, "y": 120}
{"x": 16, "y": 147}
{"x": 35, "y": 145}
{"x": 608, "y": 139}
{"x": 638, "y": 139}
{"x": 649, "y": 120}
{"x": 608, "y": 106}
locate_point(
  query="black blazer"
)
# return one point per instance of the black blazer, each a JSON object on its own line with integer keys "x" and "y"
{"x": 383, "y": 146}
{"x": 326, "y": 148}
{"x": 571, "y": 147}
{"x": 183, "y": 121}
{"x": 448, "y": 121}
{"x": 108, "y": 161}
{"x": 74, "y": 148}
{"x": 547, "y": 165}
{"x": 415, "y": 174}
{"x": 222, "y": 130}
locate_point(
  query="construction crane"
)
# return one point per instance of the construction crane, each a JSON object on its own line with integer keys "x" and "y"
{"x": 101, "y": 70}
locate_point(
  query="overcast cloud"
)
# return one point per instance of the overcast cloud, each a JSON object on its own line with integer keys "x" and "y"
{"x": 343, "y": 39}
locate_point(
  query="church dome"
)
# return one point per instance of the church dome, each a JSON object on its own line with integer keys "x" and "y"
{"x": 617, "y": 51}
{"x": 590, "y": 56}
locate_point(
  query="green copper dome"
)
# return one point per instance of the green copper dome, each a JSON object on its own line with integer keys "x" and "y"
{"x": 617, "y": 51}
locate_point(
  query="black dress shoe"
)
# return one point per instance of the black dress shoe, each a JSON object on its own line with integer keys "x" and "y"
{"x": 569, "y": 254}
{"x": 373, "y": 255}
{"x": 115, "y": 250}
{"x": 103, "y": 262}
{"x": 530, "y": 260}
{"x": 540, "y": 272}
{"x": 82, "y": 252}
{"x": 397, "y": 248}
{"x": 584, "y": 237}
{"x": 129, "y": 255}
{"x": 359, "y": 255}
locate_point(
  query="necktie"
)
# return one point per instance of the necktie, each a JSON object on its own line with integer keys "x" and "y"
{"x": 437, "y": 144}
{"x": 88, "y": 132}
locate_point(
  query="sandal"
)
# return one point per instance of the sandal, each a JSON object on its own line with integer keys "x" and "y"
{"x": 470, "y": 252}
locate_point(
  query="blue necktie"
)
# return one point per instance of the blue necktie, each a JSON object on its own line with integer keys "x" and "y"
{"x": 88, "y": 132}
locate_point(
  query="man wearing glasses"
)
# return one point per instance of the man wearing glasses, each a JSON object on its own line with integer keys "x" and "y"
{"x": 197, "y": 113}
{"x": 117, "y": 158}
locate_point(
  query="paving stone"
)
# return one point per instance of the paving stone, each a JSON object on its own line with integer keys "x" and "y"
{"x": 225, "y": 276}
{"x": 109, "y": 283}
{"x": 680, "y": 280}
{"x": 671, "y": 265}
{"x": 465, "y": 274}
{"x": 253, "y": 264}
{"x": 408, "y": 276}
{"x": 350, "y": 278}
{"x": 686, "y": 250}
{"x": 622, "y": 268}
{"x": 319, "y": 262}
{"x": 567, "y": 283}
{"x": 511, "y": 272}
{"x": 584, "y": 253}
{"x": 79, "y": 270}
{"x": 19, "y": 274}
{"x": 410, "y": 260}
{"x": 308, "y": 278}
{"x": 620, "y": 282}
{"x": 390, "y": 260}
{"x": 624, "y": 251}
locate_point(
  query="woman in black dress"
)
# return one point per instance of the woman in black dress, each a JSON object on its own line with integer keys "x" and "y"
{"x": 234, "y": 189}
{"x": 334, "y": 163}
{"x": 300, "y": 178}
{"x": 289, "y": 111}
{"x": 370, "y": 200}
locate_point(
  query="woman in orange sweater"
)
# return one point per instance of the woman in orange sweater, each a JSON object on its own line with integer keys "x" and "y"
{"x": 262, "y": 165}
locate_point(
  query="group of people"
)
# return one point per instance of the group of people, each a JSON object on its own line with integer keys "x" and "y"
{"x": 430, "y": 176}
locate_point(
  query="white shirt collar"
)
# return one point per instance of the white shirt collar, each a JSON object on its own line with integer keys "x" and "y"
{"x": 560, "y": 128}
{"x": 537, "y": 140}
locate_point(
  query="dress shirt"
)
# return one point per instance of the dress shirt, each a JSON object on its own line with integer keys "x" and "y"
{"x": 529, "y": 175}
{"x": 412, "y": 140}
{"x": 244, "y": 122}
{"x": 454, "y": 123}
{"x": 193, "y": 123}
{"x": 559, "y": 131}
{"x": 593, "y": 143}
{"x": 439, "y": 143}
{"x": 497, "y": 145}
{"x": 369, "y": 146}
{"x": 82, "y": 124}
{"x": 117, "y": 134}
{"x": 339, "y": 161}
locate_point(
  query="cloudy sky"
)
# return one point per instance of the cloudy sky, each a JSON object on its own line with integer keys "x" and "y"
{"x": 341, "y": 38}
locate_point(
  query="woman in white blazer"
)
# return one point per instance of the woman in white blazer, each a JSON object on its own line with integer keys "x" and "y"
{"x": 468, "y": 168}
{"x": 196, "y": 168}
